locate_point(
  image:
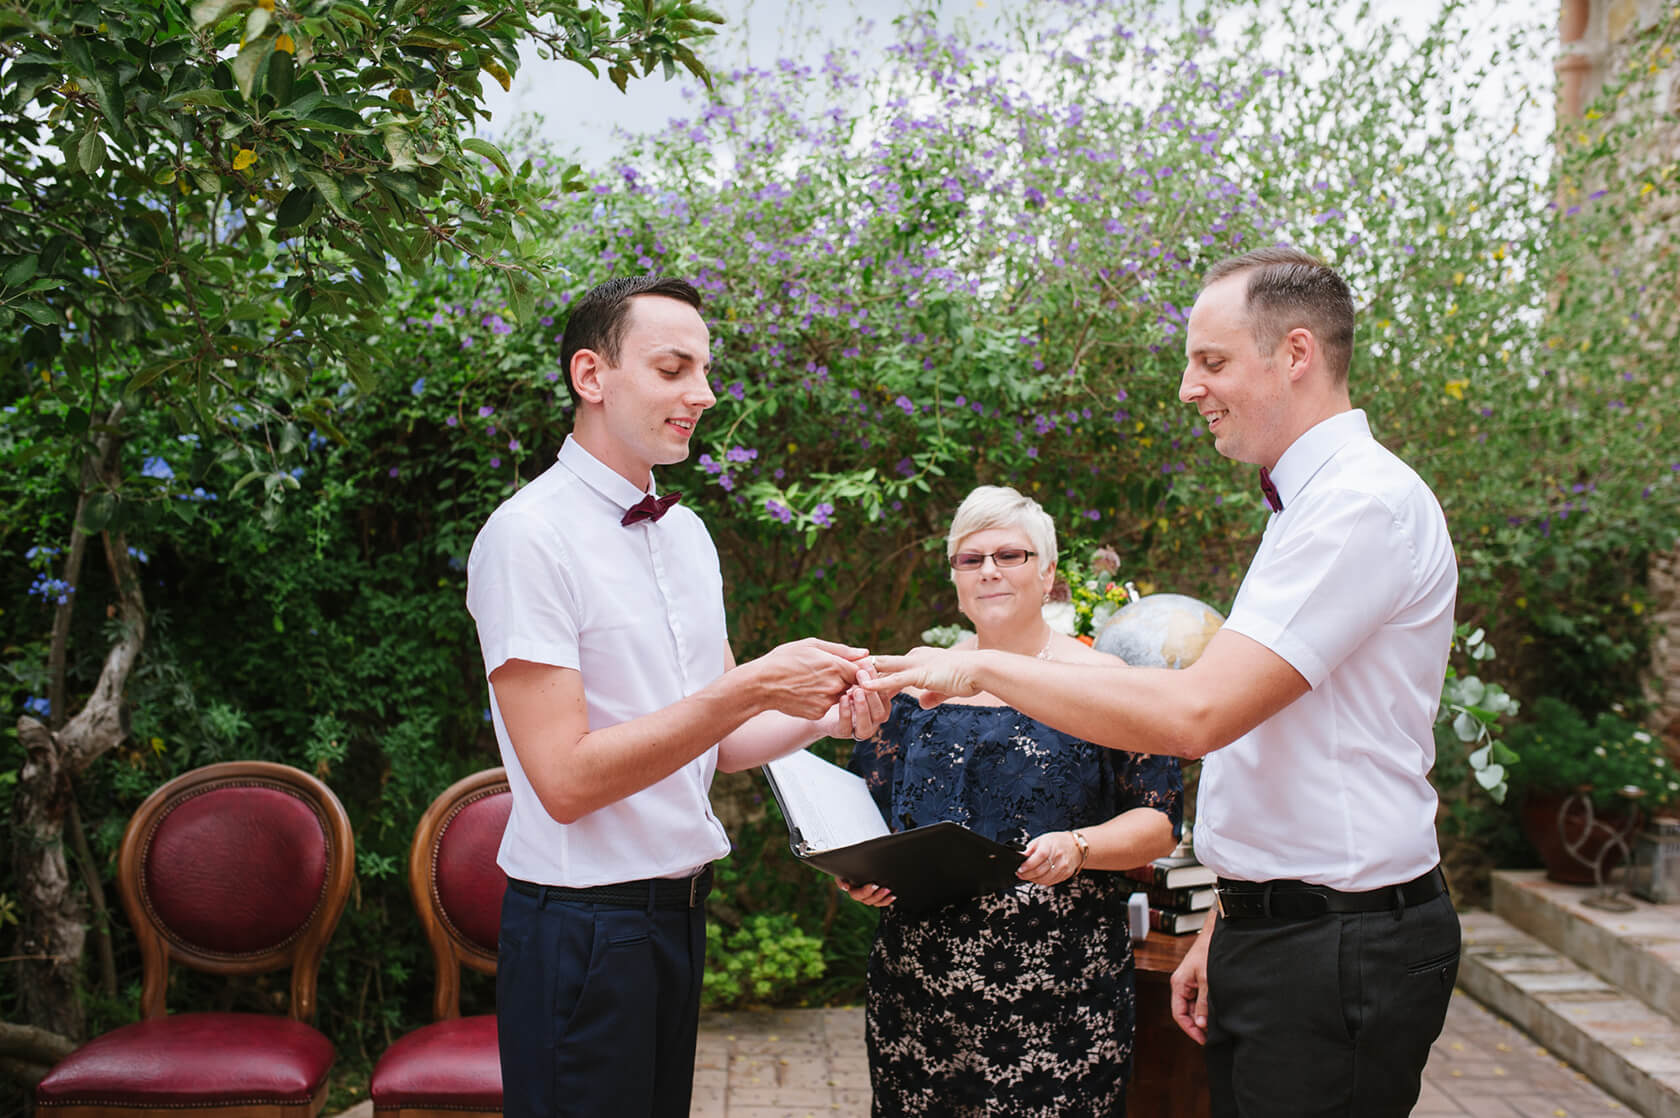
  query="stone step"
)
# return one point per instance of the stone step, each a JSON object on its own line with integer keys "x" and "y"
{"x": 1638, "y": 951}
{"x": 1621, "y": 1043}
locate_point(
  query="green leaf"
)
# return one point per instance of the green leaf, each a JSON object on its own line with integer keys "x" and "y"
{"x": 249, "y": 62}
{"x": 1491, "y": 776}
{"x": 295, "y": 207}
{"x": 90, "y": 151}
{"x": 21, "y": 270}
{"x": 257, "y": 22}
{"x": 327, "y": 187}
{"x": 204, "y": 96}
{"x": 489, "y": 151}
{"x": 336, "y": 119}
{"x": 36, "y": 311}
{"x": 280, "y": 73}
{"x": 97, "y": 513}
{"x": 75, "y": 421}
{"x": 207, "y": 12}
{"x": 399, "y": 145}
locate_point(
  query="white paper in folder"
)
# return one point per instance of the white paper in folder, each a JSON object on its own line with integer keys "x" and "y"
{"x": 831, "y": 807}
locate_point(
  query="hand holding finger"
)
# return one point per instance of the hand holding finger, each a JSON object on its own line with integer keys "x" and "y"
{"x": 876, "y": 896}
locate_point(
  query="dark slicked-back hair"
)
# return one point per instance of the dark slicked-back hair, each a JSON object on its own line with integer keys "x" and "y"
{"x": 1288, "y": 290}
{"x": 600, "y": 316}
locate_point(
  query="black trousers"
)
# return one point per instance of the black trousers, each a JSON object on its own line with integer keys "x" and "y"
{"x": 597, "y": 1008}
{"x": 1328, "y": 1016}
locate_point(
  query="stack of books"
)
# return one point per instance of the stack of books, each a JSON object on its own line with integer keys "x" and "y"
{"x": 1180, "y": 892}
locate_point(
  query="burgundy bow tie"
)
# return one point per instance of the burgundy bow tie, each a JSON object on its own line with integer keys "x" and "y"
{"x": 1270, "y": 490}
{"x": 649, "y": 508}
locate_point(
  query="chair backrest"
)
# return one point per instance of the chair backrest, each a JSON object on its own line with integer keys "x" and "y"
{"x": 456, "y": 884}
{"x": 236, "y": 868}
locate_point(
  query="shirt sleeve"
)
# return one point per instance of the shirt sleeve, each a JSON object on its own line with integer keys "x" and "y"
{"x": 1149, "y": 780}
{"x": 1336, "y": 574}
{"x": 522, "y": 594}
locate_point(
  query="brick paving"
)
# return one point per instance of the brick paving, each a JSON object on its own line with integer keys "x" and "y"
{"x": 810, "y": 1063}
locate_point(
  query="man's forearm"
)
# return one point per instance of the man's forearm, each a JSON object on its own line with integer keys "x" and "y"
{"x": 604, "y": 766}
{"x": 1145, "y": 710}
{"x": 769, "y": 735}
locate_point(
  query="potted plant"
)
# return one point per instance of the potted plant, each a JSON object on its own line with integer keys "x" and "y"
{"x": 1582, "y": 782}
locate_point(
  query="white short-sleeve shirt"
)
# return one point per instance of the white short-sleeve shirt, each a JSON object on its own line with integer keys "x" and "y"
{"x": 1353, "y": 584}
{"x": 555, "y": 578}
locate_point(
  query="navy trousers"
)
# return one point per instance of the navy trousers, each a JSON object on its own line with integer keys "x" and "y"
{"x": 597, "y": 1008}
{"x": 1328, "y": 1016}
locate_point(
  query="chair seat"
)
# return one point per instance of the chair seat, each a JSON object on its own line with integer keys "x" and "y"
{"x": 193, "y": 1060}
{"x": 450, "y": 1064}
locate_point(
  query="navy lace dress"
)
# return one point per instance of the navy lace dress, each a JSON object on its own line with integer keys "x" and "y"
{"x": 1018, "y": 1003}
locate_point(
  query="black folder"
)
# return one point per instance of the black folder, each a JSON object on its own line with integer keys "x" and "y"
{"x": 924, "y": 867}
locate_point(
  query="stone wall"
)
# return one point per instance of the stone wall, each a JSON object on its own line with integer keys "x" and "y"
{"x": 1603, "y": 44}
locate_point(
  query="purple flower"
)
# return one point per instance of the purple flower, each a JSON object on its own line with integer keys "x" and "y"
{"x": 513, "y": 444}
{"x": 486, "y": 412}
{"x": 823, "y": 515}
{"x": 904, "y": 403}
{"x": 778, "y": 510}
{"x": 451, "y": 422}
{"x": 495, "y": 463}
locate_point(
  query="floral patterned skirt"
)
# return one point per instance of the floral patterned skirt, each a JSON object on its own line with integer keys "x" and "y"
{"x": 1015, "y": 1004}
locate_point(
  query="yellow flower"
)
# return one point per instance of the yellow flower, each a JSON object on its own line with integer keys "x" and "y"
{"x": 1455, "y": 388}
{"x": 284, "y": 42}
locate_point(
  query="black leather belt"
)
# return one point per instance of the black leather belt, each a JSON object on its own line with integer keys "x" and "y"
{"x": 1299, "y": 900}
{"x": 650, "y": 892}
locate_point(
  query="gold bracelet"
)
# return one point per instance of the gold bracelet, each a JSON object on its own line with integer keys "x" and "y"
{"x": 1084, "y": 845}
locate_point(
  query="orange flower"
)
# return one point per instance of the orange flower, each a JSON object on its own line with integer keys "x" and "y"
{"x": 1086, "y": 639}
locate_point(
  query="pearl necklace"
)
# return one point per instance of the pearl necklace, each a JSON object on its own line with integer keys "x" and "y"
{"x": 1044, "y": 653}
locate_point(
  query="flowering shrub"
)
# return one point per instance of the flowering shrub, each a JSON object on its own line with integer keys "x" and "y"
{"x": 1563, "y": 750}
{"x": 960, "y": 268}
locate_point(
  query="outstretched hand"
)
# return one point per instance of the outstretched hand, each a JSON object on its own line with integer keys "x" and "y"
{"x": 939, "y": 673}
{"x": 807, "y": 677}
{"x": 859, "y": 712}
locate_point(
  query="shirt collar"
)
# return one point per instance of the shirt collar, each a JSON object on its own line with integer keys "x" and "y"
{"x": 601, "y": 477}
{"x": 1316, "y": 446}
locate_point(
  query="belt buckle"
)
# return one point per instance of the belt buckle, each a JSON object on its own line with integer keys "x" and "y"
{"x": 1219, "y": 900}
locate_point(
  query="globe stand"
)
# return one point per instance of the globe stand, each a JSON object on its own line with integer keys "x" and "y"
{"x": 1608, "y": 896}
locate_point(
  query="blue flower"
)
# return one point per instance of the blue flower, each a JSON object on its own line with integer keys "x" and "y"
{"x": 40, "y": 708}
{"x": 156, "y": 468}
{"x": 418, "y": 386}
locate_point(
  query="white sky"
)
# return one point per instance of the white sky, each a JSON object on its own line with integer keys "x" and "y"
{"x": 582, "y": 113}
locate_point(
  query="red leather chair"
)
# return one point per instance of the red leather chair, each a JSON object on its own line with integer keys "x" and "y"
{"x": 452, "y": 1064}
{"x": 235, "y": 868}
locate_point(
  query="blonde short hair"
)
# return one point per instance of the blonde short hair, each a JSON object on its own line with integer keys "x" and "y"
{"x": 999, "y": 506}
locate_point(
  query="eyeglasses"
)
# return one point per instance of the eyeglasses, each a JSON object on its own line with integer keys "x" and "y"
{"x": 1003, "y": 557}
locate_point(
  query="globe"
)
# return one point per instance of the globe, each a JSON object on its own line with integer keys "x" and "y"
{"x": 1160, "y": 631}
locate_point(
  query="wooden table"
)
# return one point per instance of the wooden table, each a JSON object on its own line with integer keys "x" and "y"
{"x": 1169, "y": 1077}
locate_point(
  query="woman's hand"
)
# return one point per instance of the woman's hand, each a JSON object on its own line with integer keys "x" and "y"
{"x": 876, "y": 896}
{"x": 1052, "y": 857}
{"x": 860, "y": 712}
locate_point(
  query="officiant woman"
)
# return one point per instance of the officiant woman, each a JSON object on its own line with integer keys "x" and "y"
{"x": 1018, "y": 1003}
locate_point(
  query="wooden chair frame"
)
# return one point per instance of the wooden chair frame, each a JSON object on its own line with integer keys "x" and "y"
{"x": 302, "y": 952}
{"x": 450, "y": 949}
